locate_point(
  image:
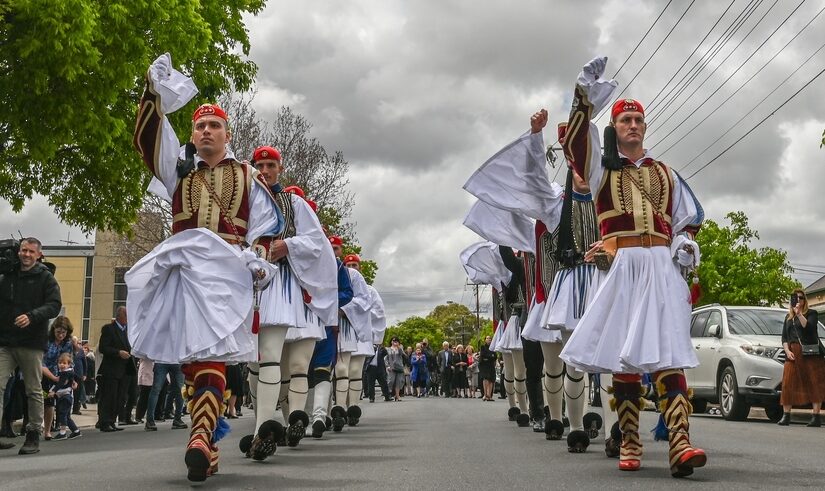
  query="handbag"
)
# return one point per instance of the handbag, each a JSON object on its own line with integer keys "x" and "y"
{"x": 808, "y": 349}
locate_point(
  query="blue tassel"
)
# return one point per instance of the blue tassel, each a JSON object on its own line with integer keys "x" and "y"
{"x": 221, "y": 430}
{"x": 660, "y": 432}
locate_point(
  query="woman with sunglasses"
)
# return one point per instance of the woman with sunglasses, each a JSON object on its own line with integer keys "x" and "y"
{"x": 803, "y": 377}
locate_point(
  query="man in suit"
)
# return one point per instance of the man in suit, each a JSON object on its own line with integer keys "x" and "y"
{"x": 376, "y": 369}
{"x": 116, "y": 370}
{"x": 445, "y": 368}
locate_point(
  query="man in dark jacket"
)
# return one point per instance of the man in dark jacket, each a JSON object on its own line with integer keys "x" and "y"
{"x": 445, "y": 368}
{"x": 376, "y": 369}
{"x": 116, "y": 371}
{"x": 29, "y": 297}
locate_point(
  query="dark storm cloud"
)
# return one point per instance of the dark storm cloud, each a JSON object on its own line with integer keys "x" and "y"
{"x": 418, "y": 94}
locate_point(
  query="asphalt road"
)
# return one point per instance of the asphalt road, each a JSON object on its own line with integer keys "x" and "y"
{"x": 427, "y": 444}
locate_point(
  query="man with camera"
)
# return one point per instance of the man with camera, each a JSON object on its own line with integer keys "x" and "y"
{"x": 29, "y": 297}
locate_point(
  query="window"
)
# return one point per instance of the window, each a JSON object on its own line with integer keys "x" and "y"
{"x": 87, "y": 297}
{"x": 119, "y": 289}
{"x": 697, "y": 327}
{"x": 715, "y": 318}
{"x": 756, "y": 322}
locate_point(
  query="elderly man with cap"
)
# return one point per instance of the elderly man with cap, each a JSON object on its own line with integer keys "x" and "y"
{"x": 219, "y": 207}
{"x": 638, "y": 320}
{"x": 300, "y": 301}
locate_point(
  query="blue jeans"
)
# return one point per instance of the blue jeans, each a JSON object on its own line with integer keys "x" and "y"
{"x": 175, "y": 384}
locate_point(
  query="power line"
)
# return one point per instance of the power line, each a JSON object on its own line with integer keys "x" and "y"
{"x": 719, "y": 106}
{"x": 706, "y": 99}
{"x": 808, "y": 270}
{"x": 643, "y": 38}
{"x": 638, "y": 72}
{"x": 714, "y": 50}
{"x": 754, "y": 108}
{"x": 759, "y": 123}
{"x": 741, "y": 41}
{"x": 653, "y": 101}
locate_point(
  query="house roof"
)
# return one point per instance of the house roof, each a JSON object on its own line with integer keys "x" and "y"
{"x": 816, "y": 286}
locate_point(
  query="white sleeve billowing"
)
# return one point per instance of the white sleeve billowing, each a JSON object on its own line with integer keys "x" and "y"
{"x": 515, "y": 179}
{"x": 174, "y": 91}
{"x": 686, "y": 208}
{"x": 483, "y": 265}
{"x": 358, "y": 310}
{"x": 311, "y": 258}
{"x": 378, "y": 317}
{"x": 264, "y": 216}
{"x": 502, "y": 227}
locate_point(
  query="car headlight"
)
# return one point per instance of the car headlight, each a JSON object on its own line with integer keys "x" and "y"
{"x": 763, "y": 351}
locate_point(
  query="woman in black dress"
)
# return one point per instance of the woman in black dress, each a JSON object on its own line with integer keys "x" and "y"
{"x": 460, "y": 364}
{"x": 803, "y": 377}
{"x": 487, "y": 368}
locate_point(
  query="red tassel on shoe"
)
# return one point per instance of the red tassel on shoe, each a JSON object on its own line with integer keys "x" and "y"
{"x": 695, "y": 291}
{"x": 256, "y": 322}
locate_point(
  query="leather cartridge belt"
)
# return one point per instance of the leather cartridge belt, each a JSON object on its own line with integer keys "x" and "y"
{"x": 643, "y": 240}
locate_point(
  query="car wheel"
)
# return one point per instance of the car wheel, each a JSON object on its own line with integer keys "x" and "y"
{"x": 774, "y": 412}
{"x": 700, "y": 406}
{"x": 731, "y": 403}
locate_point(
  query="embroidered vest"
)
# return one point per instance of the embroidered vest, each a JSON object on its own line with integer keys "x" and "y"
{"x": 623, "y": 209}
{"x": 194, "y": 207}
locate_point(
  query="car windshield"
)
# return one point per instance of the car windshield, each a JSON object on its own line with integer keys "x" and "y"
{"x": 760, "y": 322}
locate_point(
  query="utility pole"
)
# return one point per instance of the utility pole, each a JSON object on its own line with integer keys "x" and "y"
{"x": 478, "y": 314}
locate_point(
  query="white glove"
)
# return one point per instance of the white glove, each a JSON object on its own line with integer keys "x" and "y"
{"x": 258, "y": 267}
{"x": 174, "y": 88}
{"x": 161, "y": 68}
{"x": 593, "y": 70}
{"x": 684, "y": 258}
{"x": 685, "y": 251}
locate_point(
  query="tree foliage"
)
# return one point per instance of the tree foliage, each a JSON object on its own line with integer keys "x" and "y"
{"x": 443, "y": 323}
{"x": 414, "y": 329}
{"x": 454, "y": 318}
{"x": 733, "y": 273}
{"x": 72, "y": 73}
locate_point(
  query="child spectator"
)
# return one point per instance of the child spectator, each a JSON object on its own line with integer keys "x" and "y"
{"x": 62, "y": 391}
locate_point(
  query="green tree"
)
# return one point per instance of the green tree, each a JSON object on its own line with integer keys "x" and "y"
{"x": 486, "y": 330}
{"x": 413, "y": 329}
{"x": 453, "y": 319}
{"x": 733, "y": 273}
{"x": 72, "y": 75}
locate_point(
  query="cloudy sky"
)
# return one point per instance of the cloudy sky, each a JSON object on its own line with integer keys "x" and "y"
{"x": 418, "y": 94}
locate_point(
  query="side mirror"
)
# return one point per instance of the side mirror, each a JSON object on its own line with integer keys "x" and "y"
{"x": 714, "y": 331}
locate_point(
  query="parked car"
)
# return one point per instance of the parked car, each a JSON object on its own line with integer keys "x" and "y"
{"x": 740, "y": 359}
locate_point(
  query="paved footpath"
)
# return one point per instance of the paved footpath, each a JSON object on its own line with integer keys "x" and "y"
{"x": 434, "y": 443}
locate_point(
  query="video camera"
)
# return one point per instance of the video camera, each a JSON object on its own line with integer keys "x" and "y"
{"x": 9, "y": 260}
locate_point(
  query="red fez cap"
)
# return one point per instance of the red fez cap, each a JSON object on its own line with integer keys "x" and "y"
{"x": 352, "y": 258}
{"x": 562, "y": 130}
{"x": 266, "y": 153}
{"x": 295, "y": 190}
{"x": 625, "y": 105}
{"x": 209, "y": 110}
{"x": 336, "y": 241}
{"x": 312, "y": 205}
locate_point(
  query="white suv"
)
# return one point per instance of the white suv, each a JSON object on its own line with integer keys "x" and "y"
{"x": 740, "y": 359}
